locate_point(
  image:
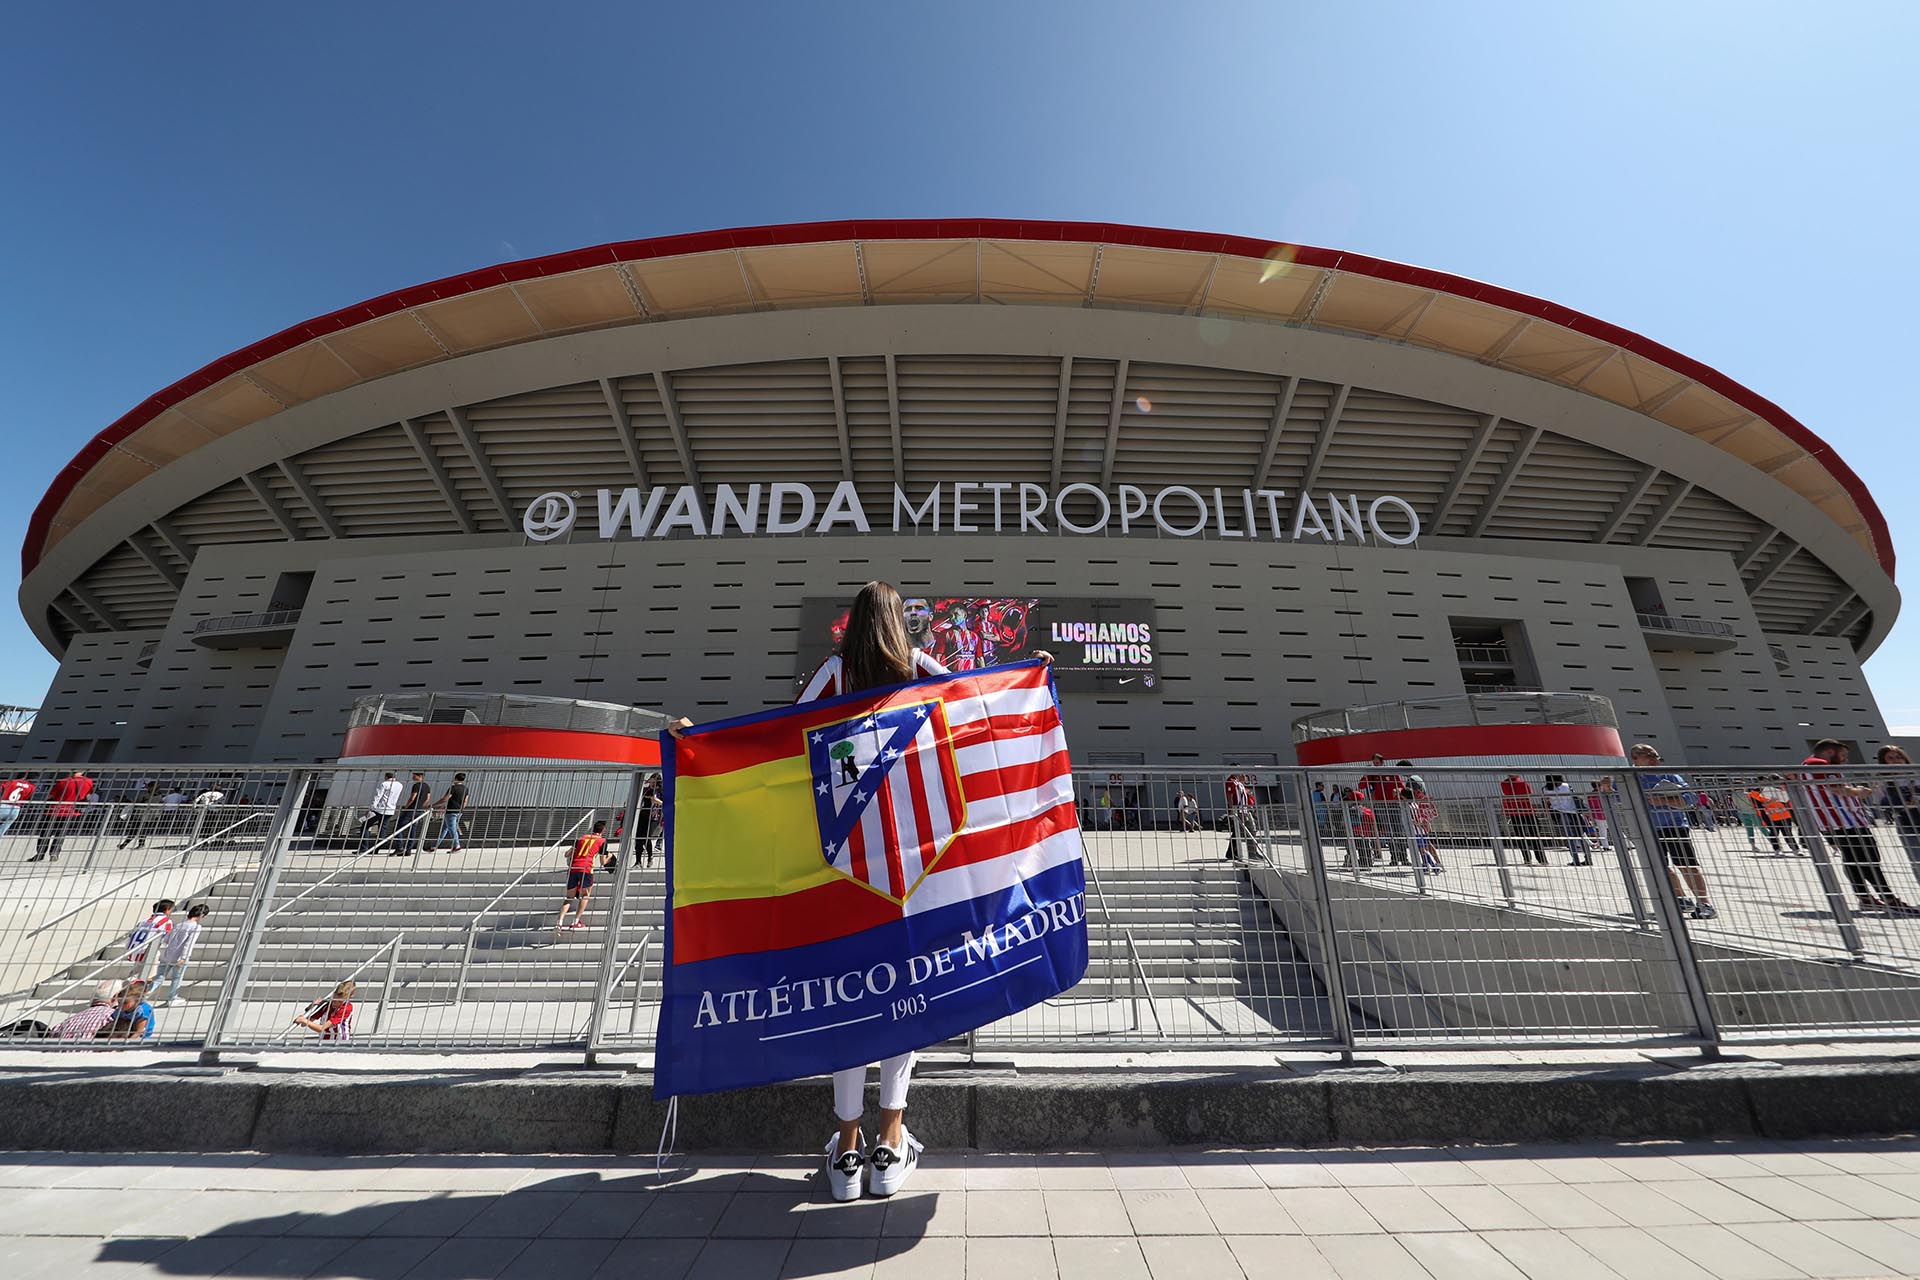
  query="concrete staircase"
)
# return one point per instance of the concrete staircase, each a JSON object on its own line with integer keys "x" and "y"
{"x": 1202, "y": 937}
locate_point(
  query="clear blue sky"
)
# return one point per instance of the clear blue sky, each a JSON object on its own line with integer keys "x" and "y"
{"x": 1735, "y": 180}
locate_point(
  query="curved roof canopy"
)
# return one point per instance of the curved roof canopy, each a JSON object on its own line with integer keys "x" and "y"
{"x": 984, "y": 260}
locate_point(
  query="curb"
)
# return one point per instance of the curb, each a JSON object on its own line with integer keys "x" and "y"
{"x": 152, "y": 1110}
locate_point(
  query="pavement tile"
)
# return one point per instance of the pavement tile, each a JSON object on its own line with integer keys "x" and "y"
{"x": 203, "y": 1256}
{"x": 291, "y": 1256}
{"x": 1086, "y": 1213}
{"x": 1881, "y": 1241}
{"x": 831, "y": 1220}
{"x": 1483, "y": 1208}
{"x": 1233, "y": 1173}
{"x": 1185, "y": 1258}
{"x": 1326, "y": 1211}
{"x": 662, "y": 1259}
{"x": 1164, "y": 1212}
{"x": 1907, "y": 1184}
{"x": 1812, "y": 1251}
{"x": 921, "y": 1213}
{"x": 1399, "y": 1209}
{"x": 1635, "y": 1255}
{"x": 740, "y": 1260}
{"x": 1002, "y": 1177}
{"x": 441, "y": 1215}
{"x": 684, "y": 1213}
{"x": 770, "y": 1215}
{"x": 349, "y": 1214}
{"x": 931, "y": 1258}
{"x": 555, "y": 1256}
{"x": 1579, "y": 1169}
{"x": 520, "y": 1214}
{"x": 1369, "y": 1173}
{"x": 1294, "y": 1169}
{"x": 1280, "y": 1258}
{"x": 1135, "y": 1174}
{"x": 472, "y": 1174}
{"x": 1104, "y": 1258}
{"x": 55, "y": 1211}
{"x": 378, "y": 1259}
{"x": 1240, "y": 1211}
{"x": 1073, "y": 1173}
{"x": 208, "y": 1213}
{"x": 1443, "y": 1170}
{"x": 1785, "y": 1162}
{"x": 1715, "y": 1201}
{"x": 1548, "y": 1255}
{"x": 1640, "y": 1204}
{"x": 1865, "y": 1157}
{"x": 1715, "y": 1164}
{"x": 1027, "y": 1257}
{"x": 846, "y": 1258}
{"x": 1005, "y": 1213}
{"x": 1870, "y": 1197}
{"x": 1499, "y": 1171}
{"x": 1370, "y": 1258}
{"x": 470, "y": 1259}
{"x": 599, "y": 1215}
{"x": 1725, "y": 1253}
{"x": 1458, "y": 1255}
{"x": 1791, "y": 1199}
{"x": 1563, "y": 1206}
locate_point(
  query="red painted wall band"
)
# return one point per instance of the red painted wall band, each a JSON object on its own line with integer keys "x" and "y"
{"x": 946, "y": 229}
{"x": 483, "y": 741}
{"x": 1452, "y": 742}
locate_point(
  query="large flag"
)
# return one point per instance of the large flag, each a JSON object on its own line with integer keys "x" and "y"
{"x": 855, "y": 877}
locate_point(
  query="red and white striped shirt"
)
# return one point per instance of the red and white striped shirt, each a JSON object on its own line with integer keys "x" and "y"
{"x": 1833, "y": 808}
{"x": 827, "y": 680}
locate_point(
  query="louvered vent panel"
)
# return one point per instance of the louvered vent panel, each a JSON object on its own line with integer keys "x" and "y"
{"x": 1205, "y": 425}
{"x": 1797, "y": 594}
{"x": 227, "y": 514}
{"x": 1089, "y": 401}
{"x": 641, "y": 399}
{"x": 160, "y": 547}
{"x": 1650, "y": 502}
{"x": 1566, "y": 490}
{"x": 978, "y": 417}
{"x": 558, "y": 439}
{"x": 443, "y": 440}
{"x": 376, "y": 486}
{"x": 127, "y": 585}
{"x": 1392, "y": 444}
{"x": 863, "y": 385}
{"x": 292, "y": 503}
{"x": 739, "y": 416}
{"x": 1708, "y": 522}
{"x": 1480, "y": 481}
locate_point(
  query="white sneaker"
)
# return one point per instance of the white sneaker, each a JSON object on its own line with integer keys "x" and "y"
{"x": 845, "y": 1171}
{"x": 893, "y": 1166}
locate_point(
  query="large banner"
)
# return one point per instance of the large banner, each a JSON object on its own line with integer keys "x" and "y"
{"x": 1098, "y": 645}
{"x": 855, "y": 877}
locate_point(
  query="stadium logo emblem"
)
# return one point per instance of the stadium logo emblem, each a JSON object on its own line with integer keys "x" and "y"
{"x": 548, "y": 516}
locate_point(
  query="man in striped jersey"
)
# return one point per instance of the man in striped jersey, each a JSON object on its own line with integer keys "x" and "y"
{"x": 1840, "y": 814}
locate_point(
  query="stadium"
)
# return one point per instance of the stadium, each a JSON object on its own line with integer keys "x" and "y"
{"x": 1231, "y": 484}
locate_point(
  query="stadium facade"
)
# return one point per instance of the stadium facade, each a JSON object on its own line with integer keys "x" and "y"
{"x": 1228, "y": 482}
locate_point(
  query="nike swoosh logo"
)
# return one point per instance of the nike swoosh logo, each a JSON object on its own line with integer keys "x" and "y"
{"x": 1128, "y": 680}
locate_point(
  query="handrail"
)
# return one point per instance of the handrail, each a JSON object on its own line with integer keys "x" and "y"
{"x": 385, "y": 990}
{"x": 395, "y": 834}
{"x": 1689, "y": 626}
{"x": 247, "y": 621}
{"x": 1139, "y": 973}
{"x": 619, "y": 975}
{"x": 172, "y": 859}
{"x": 473, "y": 925}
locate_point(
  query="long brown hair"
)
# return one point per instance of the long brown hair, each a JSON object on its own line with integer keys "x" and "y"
{"x": 875, "y": 649}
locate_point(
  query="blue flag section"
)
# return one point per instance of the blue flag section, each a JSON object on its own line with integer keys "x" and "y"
{"x": 852, "y": 878}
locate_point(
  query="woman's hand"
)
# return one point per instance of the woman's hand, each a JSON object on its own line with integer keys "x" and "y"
{"x": 1043, "y": 655}
{"x": 679, "y": 727}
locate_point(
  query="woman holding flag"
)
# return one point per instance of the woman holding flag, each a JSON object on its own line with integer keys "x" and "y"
{"x": 875, "y": 651}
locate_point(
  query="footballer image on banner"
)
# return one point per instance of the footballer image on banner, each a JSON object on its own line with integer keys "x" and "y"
{"x": 852, "y": 878}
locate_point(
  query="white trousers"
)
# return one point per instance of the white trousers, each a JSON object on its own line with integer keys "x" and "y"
{"x": 850, "y": 1088}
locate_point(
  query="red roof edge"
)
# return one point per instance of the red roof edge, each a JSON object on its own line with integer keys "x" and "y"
{"x": 943, "y": 229}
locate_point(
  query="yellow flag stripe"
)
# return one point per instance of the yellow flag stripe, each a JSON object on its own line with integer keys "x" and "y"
{"x": 750, "y": 833}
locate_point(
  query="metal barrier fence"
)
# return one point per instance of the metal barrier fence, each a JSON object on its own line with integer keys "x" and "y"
{"x": 1314, "y": 909}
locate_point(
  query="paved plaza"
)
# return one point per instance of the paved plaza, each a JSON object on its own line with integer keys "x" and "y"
{"x": 1664, "y": 1211}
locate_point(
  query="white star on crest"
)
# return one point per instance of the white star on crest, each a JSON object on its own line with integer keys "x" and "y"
{"x": 869, "y": 723}
{"x": 821, "y": 789}
{"x": 892, "y": 754}
{"x": 819, "y": 737}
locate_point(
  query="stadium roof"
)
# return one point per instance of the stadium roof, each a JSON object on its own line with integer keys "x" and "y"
{"x": 985, "y": 260}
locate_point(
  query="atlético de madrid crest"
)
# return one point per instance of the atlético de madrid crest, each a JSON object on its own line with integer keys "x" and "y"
{"x": 886, "y": 793}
